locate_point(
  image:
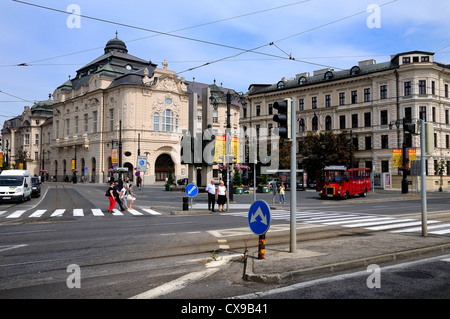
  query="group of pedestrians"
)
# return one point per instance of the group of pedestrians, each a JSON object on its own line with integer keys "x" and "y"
{"x": 220, "y": 194}
{"x": 124, "y": 196}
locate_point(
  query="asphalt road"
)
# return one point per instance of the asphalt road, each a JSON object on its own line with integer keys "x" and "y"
{"x": 46, "y": 254}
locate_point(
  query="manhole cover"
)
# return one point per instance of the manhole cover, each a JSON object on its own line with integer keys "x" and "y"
{"x": 415, "y": 274}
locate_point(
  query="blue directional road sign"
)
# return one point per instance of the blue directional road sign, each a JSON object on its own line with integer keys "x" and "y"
{"x": 191, "y": 190}
{"x": 259, "y": 217}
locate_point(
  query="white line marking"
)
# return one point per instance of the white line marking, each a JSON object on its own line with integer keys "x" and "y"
{"x": 16, "y": 214}
{"x": 58, "y": 213}
{"x": 440, "y": 232}
{"x": 380, "y": 222}
{"x": 420, "y": 228}
{"x": 116, "y": 212}
{"x": 134, "y": 212}
{"x": 78, "y": 212}
{"x": 384, "y": 227}
{"x": 151, "y": 211}
{"x": 97, "y": 212}
{"x": 38, "y": 213}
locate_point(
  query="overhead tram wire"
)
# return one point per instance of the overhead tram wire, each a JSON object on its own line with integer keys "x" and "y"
{"x": 153, "y": 31}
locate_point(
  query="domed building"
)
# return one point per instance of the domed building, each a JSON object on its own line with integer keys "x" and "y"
{"x": 116, "y": 108}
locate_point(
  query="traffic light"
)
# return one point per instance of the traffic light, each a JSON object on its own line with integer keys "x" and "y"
{"x": 409, "y": 127}
{"x": 283, "y": 118}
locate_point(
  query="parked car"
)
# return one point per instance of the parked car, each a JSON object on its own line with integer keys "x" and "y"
{"x": 182, "y": 181}
{"x": 35, "y": 187}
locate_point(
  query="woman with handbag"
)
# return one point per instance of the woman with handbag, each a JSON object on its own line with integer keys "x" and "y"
{"x": 130, "y": 196}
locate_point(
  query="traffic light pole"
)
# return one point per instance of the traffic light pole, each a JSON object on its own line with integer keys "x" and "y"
{"x": 423, "y": 186}
{"x": 293, "y": 213}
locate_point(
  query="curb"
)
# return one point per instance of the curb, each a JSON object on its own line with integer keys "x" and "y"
{"x": 287, "y": 277}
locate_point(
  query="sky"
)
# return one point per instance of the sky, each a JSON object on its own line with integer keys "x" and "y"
{"x": 235, "y": 42}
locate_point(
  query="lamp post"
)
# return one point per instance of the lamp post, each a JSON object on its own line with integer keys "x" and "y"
{"x": 229, "y": 97}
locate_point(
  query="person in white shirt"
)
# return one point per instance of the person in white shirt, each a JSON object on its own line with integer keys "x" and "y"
{"x": 221, "y": 196}
{"x": 211, "y": 190}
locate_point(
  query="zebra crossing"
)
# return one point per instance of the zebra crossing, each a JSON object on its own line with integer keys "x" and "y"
{"x": 77, "y": 212}
{"x": 369, "y": 222}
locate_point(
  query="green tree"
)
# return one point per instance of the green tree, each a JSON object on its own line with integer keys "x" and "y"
{"x": 322, "y": 150}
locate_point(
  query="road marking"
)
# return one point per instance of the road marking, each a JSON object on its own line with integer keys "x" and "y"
{"x": 407, "y": 230}
{"x": 16, "y": 214}
{"x": 375, "y": 222}
{"x": 38, "y": 213}
{"x": 97, "y": 212}
{"x": 58, "y": 213}
{"x": 116, "y": 212}
{"x": 2, "y": 212}
{"x": 9, "y": 247}
{"x": 78, "y": 212}
{"x": 440, "y": 232}
{"x": 134, "y": 212}
{"x": 181, "y": 282}
{"x": 384, "y": 227}
{"x": 151, "y": 211}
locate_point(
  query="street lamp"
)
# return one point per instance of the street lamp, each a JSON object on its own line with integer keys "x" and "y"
{"x": 229, "y": 97}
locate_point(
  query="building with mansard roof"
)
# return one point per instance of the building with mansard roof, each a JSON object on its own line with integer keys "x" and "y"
{"x": 370, "y": 99}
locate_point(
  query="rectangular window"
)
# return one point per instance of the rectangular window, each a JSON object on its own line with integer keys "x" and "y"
{"x": 270, "y": 108}
{"x": 36, "y": 139}
{"x": 433, "y": 87}
{"x": 354, "y": 97}
{"x": 385, "y": 166}
{"x": 367, "y": 119}
{"x": 301, "y": 104}
{"x": 447, "y": 117}
{"x": 111, "y": 120}
{"x": 354, "y": 120}
{"x": 342, "y": 98}
{"x": 36, "y": 156}
{"x": 86, "y": 123}
{"x": 368, "y": 142}
{"x": 26, "y": 139}
{"x": 422, "y": 87}
{"x": 342, "y": 122}
{"x": 446, "y": 90}
{"x": 314, "y": 102}
{"x": 57, "y": 130}
{"x": 384, "y": 117}
{"x": 327, "y": 100}
{"x": 258, "y": 110}
{"x": 367, "y": 95}
{"x": 423, "y": 113}
{"x": 384, "y": 141}
{"x": 406, "y": 59}
{"x": 67, "y": 127}
{"x": 95, "y": 114}
{"x": 76, "y": 125}
{"x": 408, "y": 88}
{"x": 408, "y": 114}
{"x": 383, "y": 92}
{"x": 433, "y": 114}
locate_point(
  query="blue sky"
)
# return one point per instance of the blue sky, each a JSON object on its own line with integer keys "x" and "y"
{"x": 317, "y": 33}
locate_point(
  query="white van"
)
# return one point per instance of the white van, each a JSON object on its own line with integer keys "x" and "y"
{"x": 15, "y": 185}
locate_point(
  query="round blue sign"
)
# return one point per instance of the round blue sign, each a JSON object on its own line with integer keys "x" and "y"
{"x": 191, "y": 190}
{"x": 259, "y": 217}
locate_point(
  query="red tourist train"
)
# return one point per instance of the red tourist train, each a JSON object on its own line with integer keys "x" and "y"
{"x": 340, "y": 182}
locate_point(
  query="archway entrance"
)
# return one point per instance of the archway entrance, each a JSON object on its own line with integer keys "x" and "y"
{"x": 162, "y": 165}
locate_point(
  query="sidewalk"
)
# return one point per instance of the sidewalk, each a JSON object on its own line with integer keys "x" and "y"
{"x": 333, "y": 255}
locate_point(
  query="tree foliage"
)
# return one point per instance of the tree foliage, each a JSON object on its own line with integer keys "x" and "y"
{"x": 322, "y": 150}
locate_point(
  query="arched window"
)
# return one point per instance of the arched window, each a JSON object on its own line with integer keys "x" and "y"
{"x": 328, "y": 123}
{"x": 167, "y": 121}
{"x": 315, "y": 123}
{"x": 328, "y": 75}
{"x": 302, "y": 80}
{"x": 355, "y": 70}
{"x": 156, "y": 122}
{"x": 280, "y": 85}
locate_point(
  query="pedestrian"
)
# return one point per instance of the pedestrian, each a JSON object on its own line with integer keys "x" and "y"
{"x": 110, "y": 195}
{"x": 282, "y": 193}
{"x": 211, "y": 190}
{"x": 139, "y": 182}
{"x": 117, "y": 194}
{"x": 123, "y": 195}
{"x": 130, "y": 196}
{"x": 221, "y": 196}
